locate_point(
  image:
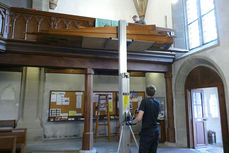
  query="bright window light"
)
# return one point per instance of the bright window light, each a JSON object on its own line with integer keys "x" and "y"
{"x": 201, "y": 22}
{"x": 206, "y": 6}
{"x": 209, "y": 27}
{"x": 192, "y": 12}
{"x": 194, "y": 36}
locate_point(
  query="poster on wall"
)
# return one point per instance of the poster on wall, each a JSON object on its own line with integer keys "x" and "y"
{"x": 53, "y": 97}
{"x": 79, "y": 99}
{"x": 135, "y": 98}
{"x": 66, "y": 101}
{"x": 102, "y": 100}
{"x": 161, "y": 115}
{"x": 55, "y": 112}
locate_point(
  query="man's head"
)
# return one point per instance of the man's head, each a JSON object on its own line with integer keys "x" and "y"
{"x": 151, "y": 90}
{"x": 135, "y": 18}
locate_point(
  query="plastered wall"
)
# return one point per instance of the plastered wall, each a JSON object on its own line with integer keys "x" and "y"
{"x": 101, "y": 83}
{"x": 10, "y": 84}
{"x": 76, "y": 82}
{"x": 106, "y": 9}
{"x": 17, "y": 3}
{"x": 55, "y": 81}
{"x": 215, "y": 57}
{"x": 35, "y": 85}
{"x": 158, "y": 11}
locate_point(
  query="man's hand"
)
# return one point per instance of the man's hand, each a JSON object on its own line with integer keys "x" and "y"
{"x": 130, "y": 123}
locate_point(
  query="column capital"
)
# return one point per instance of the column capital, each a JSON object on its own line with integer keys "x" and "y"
{"x": 89, "y": 71}
{"x": 168, "y": 75}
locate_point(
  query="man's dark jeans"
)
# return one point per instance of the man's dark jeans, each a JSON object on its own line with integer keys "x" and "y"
{"x": 149, "y": 140}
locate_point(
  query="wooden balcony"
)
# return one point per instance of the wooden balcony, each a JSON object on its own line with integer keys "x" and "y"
{"x": 16, "y": 22}
{"x": 37, "y": 38}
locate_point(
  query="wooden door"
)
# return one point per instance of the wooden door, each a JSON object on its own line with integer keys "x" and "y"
{"x": 199, "y": 120}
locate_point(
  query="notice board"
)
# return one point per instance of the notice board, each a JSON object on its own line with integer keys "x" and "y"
{"x": 135, "y": 100}
{"x": 66, "y": 105}
{"x": 112, "y": 101}
{"x": 69, "y": 105}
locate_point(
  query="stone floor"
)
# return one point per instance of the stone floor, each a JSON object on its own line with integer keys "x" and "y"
{"x": 103, "y": 146}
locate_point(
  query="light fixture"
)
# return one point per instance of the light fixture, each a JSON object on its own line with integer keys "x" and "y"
{"x": 52, "y": 4}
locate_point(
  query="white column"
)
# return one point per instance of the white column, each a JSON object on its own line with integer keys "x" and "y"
{"x": 31, "y": 102}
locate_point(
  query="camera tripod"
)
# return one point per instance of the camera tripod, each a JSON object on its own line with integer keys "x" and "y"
{"x": 121, "y": 136}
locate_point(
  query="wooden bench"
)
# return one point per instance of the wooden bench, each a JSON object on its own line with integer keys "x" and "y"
{"x": 7, "y": 124}
{"x": 8, "y": 143}
{"x": 19, "y": 134}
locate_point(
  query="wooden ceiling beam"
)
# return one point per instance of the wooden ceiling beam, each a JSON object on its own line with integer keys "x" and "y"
{"x": 105, "y": 30}
{"x": 157, "y": 39}
{"x": 108, "y": 29}
{"x": 66, "y": 71}
{"x": 79, "y": 63}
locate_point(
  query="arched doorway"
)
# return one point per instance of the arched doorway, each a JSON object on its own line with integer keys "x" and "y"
{"x": 199, "y": 78}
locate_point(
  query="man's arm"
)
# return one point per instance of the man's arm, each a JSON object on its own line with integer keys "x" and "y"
{"x": 139, "y": 117}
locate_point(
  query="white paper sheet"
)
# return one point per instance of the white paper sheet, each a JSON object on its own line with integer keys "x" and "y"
{"x": 59, "y": 99}
{"x": 52, "y": 112}
{"x": 53, "y": 97}
{"x": 78, "y": 99}
{"x": 64, "y": 114}
{"x": 66, "y": 101}
{"x": 58, "y": 112}
{"x": 95, "y": 98}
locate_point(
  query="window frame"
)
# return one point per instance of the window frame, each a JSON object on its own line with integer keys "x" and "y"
{"x": 202, "y": 45}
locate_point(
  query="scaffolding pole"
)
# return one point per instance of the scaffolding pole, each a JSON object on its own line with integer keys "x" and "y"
{"x": 124, "y": 91}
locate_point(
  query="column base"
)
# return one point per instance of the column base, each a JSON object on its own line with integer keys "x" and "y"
{"x": 88, "y": 151}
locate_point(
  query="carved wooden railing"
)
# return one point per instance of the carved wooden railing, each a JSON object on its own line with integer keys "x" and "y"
{"x": 16, "y": 22}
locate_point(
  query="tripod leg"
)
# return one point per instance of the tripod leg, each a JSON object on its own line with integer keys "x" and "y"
{"x": 134, "y": 137}
{"x": 120, "y": 139}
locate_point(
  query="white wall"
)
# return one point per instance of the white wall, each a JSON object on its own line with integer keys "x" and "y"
{"x": 36, "y": 87}
{"x": 215, "y": 57}
{"x": 61, "y": 82}
{"x": 17, "y": 3}
{"x": 157, "y": 11}
{"x": 117, "y": 9}
{"x": 40, "y": 5}
{"x": 157, "y": 79}
{"x": 10, "y": 84}
{"x": 111, "y": 83}
{"x": 105, "y": 9}
{"x": 73, "y": 82}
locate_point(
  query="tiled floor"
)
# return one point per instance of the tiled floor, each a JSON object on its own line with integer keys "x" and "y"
{"x": 103, "y": 146}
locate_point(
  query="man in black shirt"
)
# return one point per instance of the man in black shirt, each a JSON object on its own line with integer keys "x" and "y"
{"x": 148, "y": 113}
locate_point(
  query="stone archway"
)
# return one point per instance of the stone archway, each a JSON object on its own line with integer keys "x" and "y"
{"x": 182, "y": 132}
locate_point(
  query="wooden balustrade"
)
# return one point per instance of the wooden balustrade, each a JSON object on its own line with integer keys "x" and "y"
{"x": 15, "y": 22}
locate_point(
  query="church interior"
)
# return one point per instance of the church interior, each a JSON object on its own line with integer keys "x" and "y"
{"x": 69, "y": 69}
